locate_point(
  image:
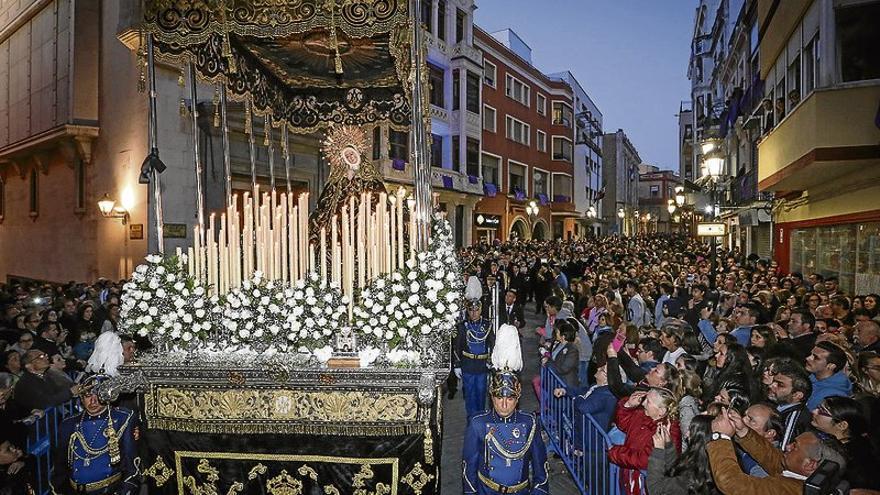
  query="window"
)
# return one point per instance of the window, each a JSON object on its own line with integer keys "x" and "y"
{"x": 655, "y": 191}
{"x": 514, "y": 88}
{"x": 542, "y": 141}
{"x": 456, "y": 152}
{"x": 441, "y": 19}
{"x": 436, "y": 77}
{"x": 427, "y": 9}
{"x": 34, "y": 189}
{"x": 79, "y": 170}
{"x": 562, "y": 148}
{"x": 794, "y": 78}
{"x": 436, "y": 150}
{"x": 472, "y": 154}
{"x": 377, "y": 143}
{"x": 541, "y": 103}
{"x": 456, "y": 90}
{"x": 489, "y": 118}
{"x": 542, "y": 183}
{"x": 562, "y": 188}
{"x": 490, "y": 72}
{"x": 399, "y": 145}
{"x": 562, "y": 114}
{"x": 473, "y": 92}
{"x": 491, "y": 169}
{"x": 857, "y": 32}
{"x": 460, "y": 20}
{"x": 811, "y": 64}
{"x": 518, "y": 130}
{"x": 517, "y": 178}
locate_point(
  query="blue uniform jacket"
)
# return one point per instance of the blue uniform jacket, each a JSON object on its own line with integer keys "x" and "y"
{"x": 83, "y": 457}
{"x": 504, "y": 450}
{"x": 473, "y": 345}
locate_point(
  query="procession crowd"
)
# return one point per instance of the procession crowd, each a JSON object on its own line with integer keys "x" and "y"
{"x": 734, "y": 378}
{"x": 48, "y": 334}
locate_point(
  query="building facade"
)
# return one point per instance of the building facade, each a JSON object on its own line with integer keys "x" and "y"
{"x": 528, "y": 141}
{"x": 656, "y": 188}
{"x": 455, "y": 72}
{"x": 819, "y": 150}
{"x": 620, "y": 176}
{"x": 587, "y": 158}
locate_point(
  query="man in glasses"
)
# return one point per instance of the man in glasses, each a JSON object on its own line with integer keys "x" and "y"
{"x": 34, "y": 389}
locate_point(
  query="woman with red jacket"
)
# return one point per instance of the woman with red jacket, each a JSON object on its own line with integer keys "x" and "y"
{"x": 638, "y": 416}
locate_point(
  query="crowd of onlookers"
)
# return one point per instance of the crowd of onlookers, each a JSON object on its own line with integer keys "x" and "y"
{"x": 47, "y": 334}
{"x": 737, "y": 383}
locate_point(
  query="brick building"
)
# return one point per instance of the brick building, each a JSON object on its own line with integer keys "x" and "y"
{"x": 527, "y": 148}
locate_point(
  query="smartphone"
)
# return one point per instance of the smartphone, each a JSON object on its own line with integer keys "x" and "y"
{"x": 617, "y": 343}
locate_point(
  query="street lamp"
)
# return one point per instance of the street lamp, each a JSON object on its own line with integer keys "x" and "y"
{"x": 109, "y": 209}
{"x": 532, "y": 211}
{"x": 679, "y": 196}
{"x": 712, "y": 168}
{"x": 670, "y": 206}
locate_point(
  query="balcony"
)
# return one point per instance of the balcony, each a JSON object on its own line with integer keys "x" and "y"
{"x": 464, "y": 50}
{"x": 830, "y": 133}
{"x": 439, "y": 113}
{"x": 441, "y": 178}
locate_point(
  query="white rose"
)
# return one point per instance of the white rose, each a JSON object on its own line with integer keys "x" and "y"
{"x": 153, "y": 311}
{"x": 413, "y": 300}
{"x": 415, "y": 287}
{"x": 187, "y": 336}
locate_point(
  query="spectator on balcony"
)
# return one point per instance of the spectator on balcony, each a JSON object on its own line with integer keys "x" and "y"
{"x": 34, "y": 390}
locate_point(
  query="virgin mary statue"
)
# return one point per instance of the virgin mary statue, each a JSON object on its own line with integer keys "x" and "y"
{"x": 346, "y": 149}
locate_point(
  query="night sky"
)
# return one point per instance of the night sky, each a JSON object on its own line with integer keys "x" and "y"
{"x": 630, "y": 56}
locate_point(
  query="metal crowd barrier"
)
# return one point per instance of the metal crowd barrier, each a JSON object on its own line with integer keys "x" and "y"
{"x": 43, "y": 439}
{"x": 578, "y": 439}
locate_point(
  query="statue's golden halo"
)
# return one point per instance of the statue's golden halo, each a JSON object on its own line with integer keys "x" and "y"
{"x": 341, "y": 137}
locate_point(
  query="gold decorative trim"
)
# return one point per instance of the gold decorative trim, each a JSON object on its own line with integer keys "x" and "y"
{"x": 284, "y": 484}
{"x": 417, "y": 479}
{"x": 250, "y": 411}
{"x": 159, "y": 471}
{"x": 212, "y": 477}
{"x": 257, "y": 470}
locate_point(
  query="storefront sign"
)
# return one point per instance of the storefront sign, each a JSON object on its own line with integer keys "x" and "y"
{"x": 706, "y": 229}
{"x": 487, "y": 221}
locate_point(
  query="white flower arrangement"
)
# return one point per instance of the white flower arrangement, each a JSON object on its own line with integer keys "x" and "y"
{"x": 413, "y": 311}
{"x": 407, "y": 315}
{"x": 162, "y": 302}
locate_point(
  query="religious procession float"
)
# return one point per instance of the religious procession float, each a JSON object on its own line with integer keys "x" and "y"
{"x": 296, "y": 352}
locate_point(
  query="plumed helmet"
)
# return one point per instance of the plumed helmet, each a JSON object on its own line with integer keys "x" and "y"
{"x": 505, "y": 384}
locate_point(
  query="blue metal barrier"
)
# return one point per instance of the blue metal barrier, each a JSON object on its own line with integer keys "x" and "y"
{"x": 578, "y": 439}
{"x": 43, "y": 439}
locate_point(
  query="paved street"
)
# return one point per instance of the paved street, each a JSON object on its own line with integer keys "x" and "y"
{"x": 454, "y": 420}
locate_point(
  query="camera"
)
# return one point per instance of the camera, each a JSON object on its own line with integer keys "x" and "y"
{"x": 825, "y": 480}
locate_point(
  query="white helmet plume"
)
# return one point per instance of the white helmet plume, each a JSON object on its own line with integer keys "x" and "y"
{"x": 107, "y": 355}
{"x": 474, "y": 289}
{"x": 507, "y": 353}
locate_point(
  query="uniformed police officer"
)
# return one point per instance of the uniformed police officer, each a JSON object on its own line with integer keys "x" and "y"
{"x": 503, "y": 450}
{"x": 470, "y": 357}
{"x": 96, "y": 449}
